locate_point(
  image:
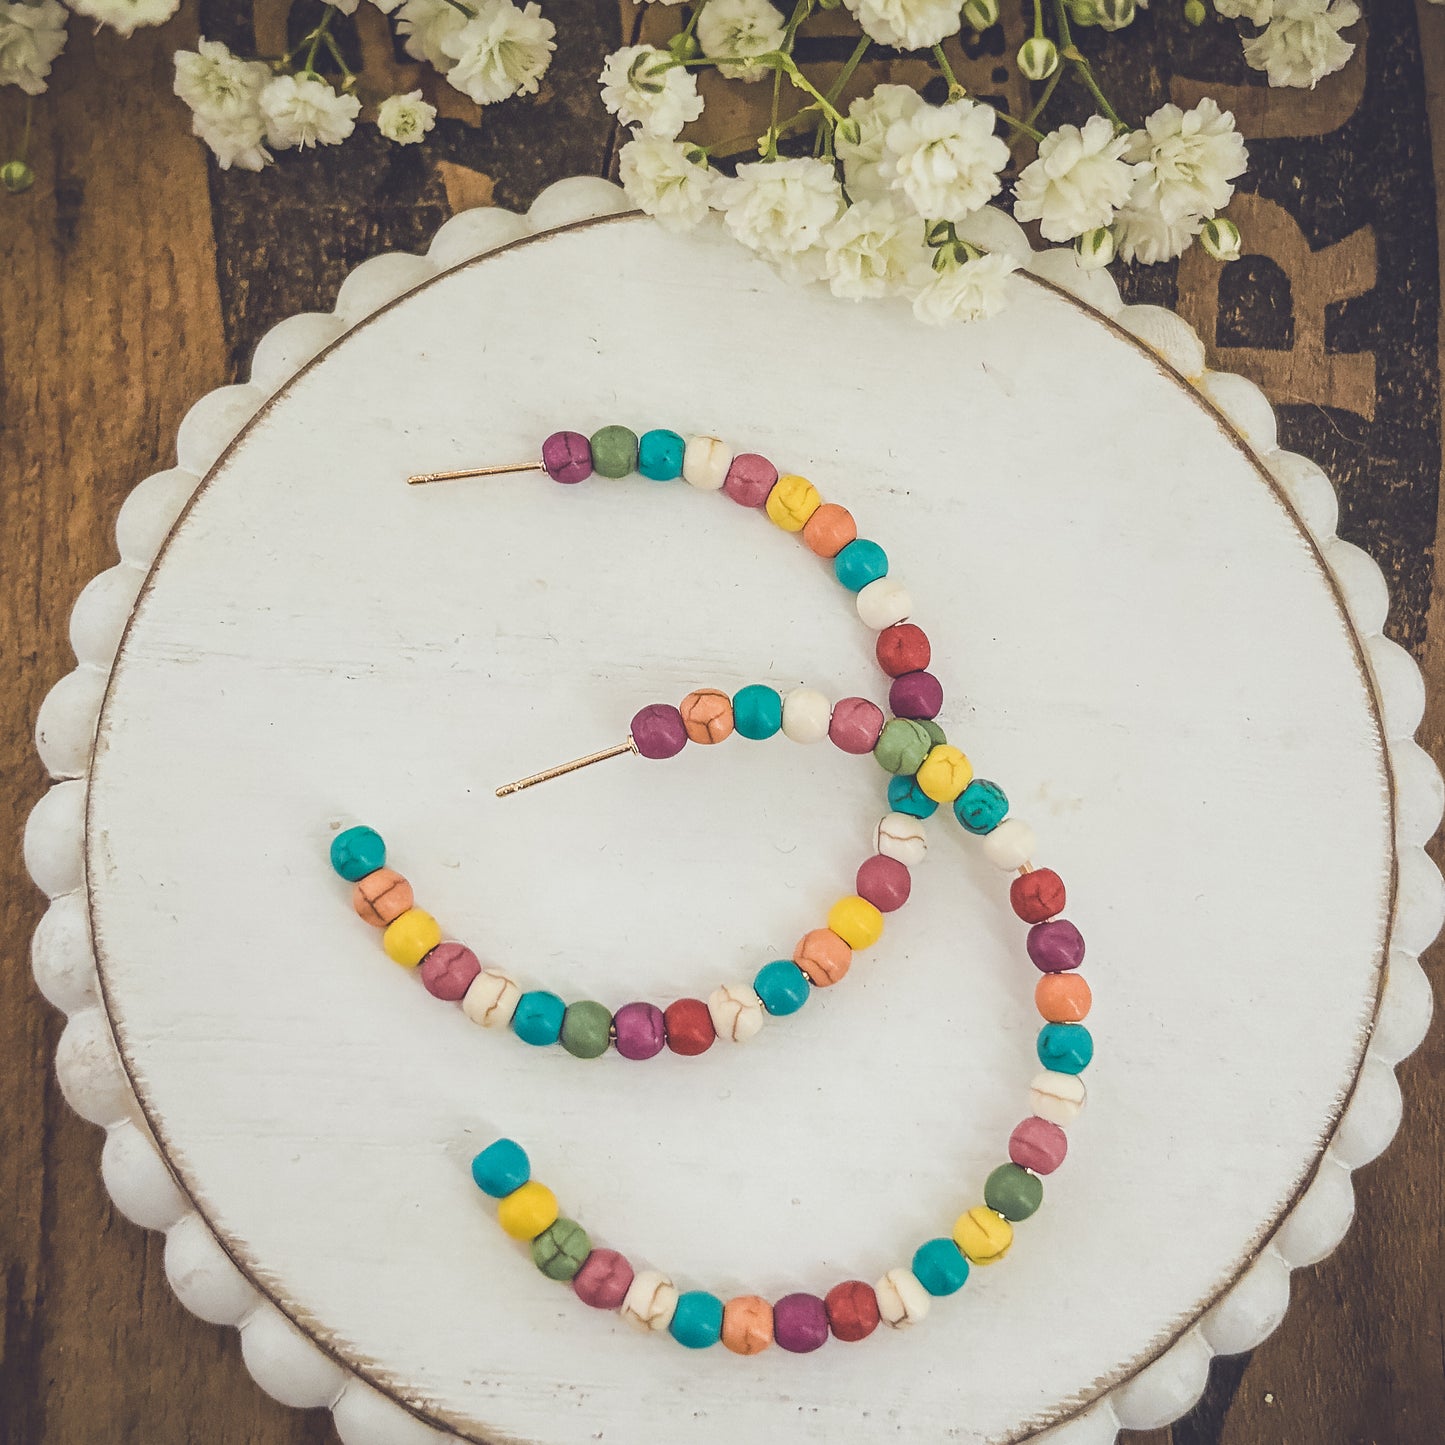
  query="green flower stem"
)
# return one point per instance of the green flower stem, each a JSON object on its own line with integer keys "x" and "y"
{"x": 1071, "y": 52}
{"x": 1037, "y": 108}
{"x": 1038, "y": 19}
{"x": 849, "y": 66}
{"x": 801, "y": 82}
{"x": 1022, "y": 126}
{"x": 472, "y": 14}
{"x": 347, "y": 74}
{"x": 692, "y": 19}
{"x": 954, "y": 88}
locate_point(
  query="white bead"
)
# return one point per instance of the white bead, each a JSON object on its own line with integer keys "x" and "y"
{"x": 285, "y": 1364}
{"x": 806, "y": 715}
{"x": 363, "y": 1416}
{"x": 902, "y": 1301}
{"x": 62, "y": 960}
{"x": 377, "y": 280}
{"x": 651, "y": 1301}
{"x": 884, "y": 603}
{"x": 705, "y": 463}
{"x": 1010, "y": 845}
{"x": 1057, "y": 1097}
{"x": 737, "y": 1012}
{"x": 89, "y": 1071}
{"x": 492, "y": 999}
{"x": 202, "y": 1275}
{"x": 902, "y": 837}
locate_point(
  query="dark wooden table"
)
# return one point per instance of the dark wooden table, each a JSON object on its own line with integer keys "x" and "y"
{"x": 133, "y": 278}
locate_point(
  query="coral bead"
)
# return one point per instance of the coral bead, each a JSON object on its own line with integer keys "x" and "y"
{"x": 567, "y": 457}
{"x": 411, "y": 936}
{"x": 823, "y": 956}
{"x": 527, "y": 1211}
{"x": 501, "y": 1168}
{"x": 697, "y": 1319}
{"x": 939, "y": 1266}
{"x": 903, "y": 648}
{"x": 856, "y": 921}
{"x": 944, "y": 773}
{"x": 1013, "y": 1192}
{"x": 883, "y": 603}
{"x": 800, "y": 1323}
{"x": 747, "y": 1327}
{"x": 916, "y": 694}
{"x": 983, "y": 1235}
{"x": 659, "y": 455}
{"x": 856, "y": 725}
{"x": 1055, "y": 946}
{"x": 641, "y": 1030}
{"x": 1065, "y": 1048}
{"x": 852, "y": 1310}
{"x": 807, "y": 715}
{"x": 829, "y": 530}
{"x": 614, "y": 451}
{"x": 981, "y": 807}
{"x": 707, "y": 714}
{"x": 538, "y": 1018}
{"x": 1063, "y": 998}
{"x": 357, "y": 852}
{"x": 791, "y": 502}
{"x": 658, "y": 731}
{"x": 1038, "y": 1146}
{"x": 1037, "y": 895}
{"x": 757, "y": 712}
{"x": 382, "y": 897}
{"x": 689, "y": 1027}
{"x": 860, "y": 563}
{"x": 603, "y": 1280}
{"x": 750, "y": 479}
{"x": 782, "y": 986}
{"x": 884, "y": 882}
{"x": 705, "y": 463}
{"x": 903, "y": 837}
{"x": 902, "y": 745}
{"x": 448, "y": 970}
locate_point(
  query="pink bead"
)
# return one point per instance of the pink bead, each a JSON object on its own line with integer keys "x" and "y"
{"x": 750, "y": 479}
{"x": 884, "y": 882}
{"x": 603, "y": 1280}
{"x": 448, "y": 971}
{"x": 916, "y": 695}
{"x": 567, "y": 456}
{"x": 641, "y": 1030}
{"x": 658, "y": 731}
{"x": 1055, "y": 946}
{"x": 855, "y": 725}
{"x": 1038, "y": 1146}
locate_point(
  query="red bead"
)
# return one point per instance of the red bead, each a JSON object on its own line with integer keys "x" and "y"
{"x": 689, "y": 1026}
{"x": 1037, "y": 895}
{"x": 852, "y": 1310}
{"x": 903, "y": 648}
{"x": 884, "y": 882}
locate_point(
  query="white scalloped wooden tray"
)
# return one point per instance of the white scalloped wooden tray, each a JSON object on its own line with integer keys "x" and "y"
{"x": 1151, "y": 636}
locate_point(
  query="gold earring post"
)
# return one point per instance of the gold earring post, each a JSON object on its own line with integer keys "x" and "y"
{"x": 422, "y": 478}
{"x": 563, "y": 768}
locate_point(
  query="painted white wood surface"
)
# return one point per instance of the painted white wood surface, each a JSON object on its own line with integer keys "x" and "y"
{"x": 1138, "y": 642}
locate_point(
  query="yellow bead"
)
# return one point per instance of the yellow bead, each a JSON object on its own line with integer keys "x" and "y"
{"x": 856, "y": 921}
{"x": 983, "y": 1236}
{"x": 529, "y": 1211}
{"x": 945, "y": 774}
{"x": 411, "y": 936}
{"x": 792, "y": 501}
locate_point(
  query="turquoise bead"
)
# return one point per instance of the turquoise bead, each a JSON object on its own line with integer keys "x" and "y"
{"x": 981, "y": 806}
{"x": 905, "y": 796}
{"x": 860, "y": 563}
{"x": 659, "y": 455}
{"x": 1065, "y": 1048}
{"x": 757, "y": 712}
{"x": 538, "y": 1019}
{"x": 939, "y": 1266}
{"x": 782, "y": 986}
{"x": 500, "y": 1168}
{"x": 357, "y": 852}
{"x": 697, "y": 1320}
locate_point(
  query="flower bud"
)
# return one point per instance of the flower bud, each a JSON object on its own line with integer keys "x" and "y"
{"x": 684, "y": 46}
{"x": 1220, "y": 237}
{"x": 16, "y": 176}
{"x": 1194, "y": 12}
{"x": 1095, "y": 248}
{"x": 981, "y": 14}
{"x": 1082, "y": 13}
{"x": 1115, "y": 14}
{"x": 1038, "y": 57}
{"x": 938, "y": 232}
{"x": 849, "y": 131}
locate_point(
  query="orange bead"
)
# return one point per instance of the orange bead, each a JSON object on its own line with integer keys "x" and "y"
{"x": 707, "y": 714}
{"x": 381, "y": 897}
{"x": 829, "y": 530}
{"x": 823, "y": 956}
{"x": 1063, "y": 998}
{"x": 747, "y": 1326}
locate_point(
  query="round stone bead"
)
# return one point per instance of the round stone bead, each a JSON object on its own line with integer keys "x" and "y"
{"x": 1065, "y": 1048}
{"x": 382, "y": 897}
{"x": 586, "y": 1029}
{"x": 614, "y": 451}
{"x": 936, "y": 735}
{"x": 856, "y": 725}
{"x": 448, "y": 970}
{"x": 1057, "y": 1097}
{"x": 902, "y": 1301}
{"x": 852, "y": 1310}
{"x": 411, "y": 936}
{"x": 944, "y": 773}
{"x": 1013, "y": 1192}
{"x": 983, "y": 1235}
{"x": 567, "y": 457}
{"x": 650, "y": 1301}
{"x": 860, "y": 563}
{"x": 981, "y": 807}
{"x": 905, "y": 796}
{"x": 807, "y": 715}
{"x": 1010, "y": 845}
{"x": 750, "y": 479}
{"x": 707, "y": 714}
{"x": 856, "y": 921}
{"x": 640, "y": 1029}
{"x": 829, "y": 530}
{"x": 705, "y": 463}
{"x": 501, "y": 1168}
{"x": 561, "y": 1250}
{"x": 697, "y": 1319}
{"x": 823, "y": 956}
{"x": 747, "y": 1327}
{"x": 737, "y": 1012}
{"x": 1055, "y": 946}
{"x": 791, "y": 502}
{"x": 658, "y": 731}
{"x": 902, "y": 837}
{"x": 884, "y": 882}
{"x": 917, "y": 695}
{"x": 538, "y": 1019}
{"x": 902, "y": 745}
{"x": 603, "y": 1280}
{"x": 492, "y": 999}
{"x": 1037, "y": 895}
{"x": 800, "y": 1323}
{"x": 357, "y": 852}
{"x": 1038, "y": 1146}
{"x": 528, "y": 1210}
{"x": 782, "y": 986}
{"x": 659, "y": 455}
{"x": 939, "y": 1266}
{"x": 688, "y": 1026}
{"x": 757, "y": 712}
{"x": 884, "y": 603}
{"x": 1063, "y": 998}
{"x": 903, "y": 648}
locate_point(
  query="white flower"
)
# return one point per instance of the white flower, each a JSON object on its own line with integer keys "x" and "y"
{"x": 346, "y": 7}
{"x": 224, "y": 94}
{"x": 944, "y": 158}
{"x": 642, "y": 86}
{"x": 872, "y": 248}
{"x": 908, "y": 24}
{"x": 665, "y": 182}
{"x": 780, "y": 207}
{"x": 126, "y": 16}
{"x": 424, "y": 25}
{"x": 1189, "y": 158}
{"x": 501, "y": 51}
{"x": 872, "y": 114}
{"x": 1256, "y": 10}
{"x": 405, "y": 119}
{"x": 31, "y": 36}
{"x": 739, "y": 27}
{"x": 1301, "y": 44}
{"x": 386, "y": 6}
{"x": 303, "y": 110}
{"x": 1078, "y": 181}
{"x": 1142, "y": 234}
{"x": 969, "y": 292}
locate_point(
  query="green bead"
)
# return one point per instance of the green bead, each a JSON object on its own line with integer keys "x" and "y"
{"x": 782, "y": 986}
{"x": 757, "y": 712}
{"x": 561, "y": 1249}
{"x": 659, "y": 455}
{"x": 936, "y": 733}
{"x": 614, "y": 451}
{"x": 1013, "y": 1192}
{"x": 902, "y": 745}
{"x": 586, "y": 1029}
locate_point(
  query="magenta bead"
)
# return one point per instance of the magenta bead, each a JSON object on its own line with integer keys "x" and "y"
{"x": 1055, "y": 946}
{"x": 567, "y": 456}
{"x": 855, "y": 725}
{"x": 916, "y": 695}
{"x": 658, "y": 731}
{"x": 603, "y": 1280}
{"x": 750, "y": 479}
{"x": 641, "y": 1030}
{"x": 1038, "y": 1146}
{"x": 884, "y": 882}
{"x": 448, "y": 970}
{"x": 800, "y": 1323}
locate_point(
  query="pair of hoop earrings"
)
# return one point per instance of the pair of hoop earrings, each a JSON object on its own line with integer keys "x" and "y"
{"x": 925, "y": 772}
